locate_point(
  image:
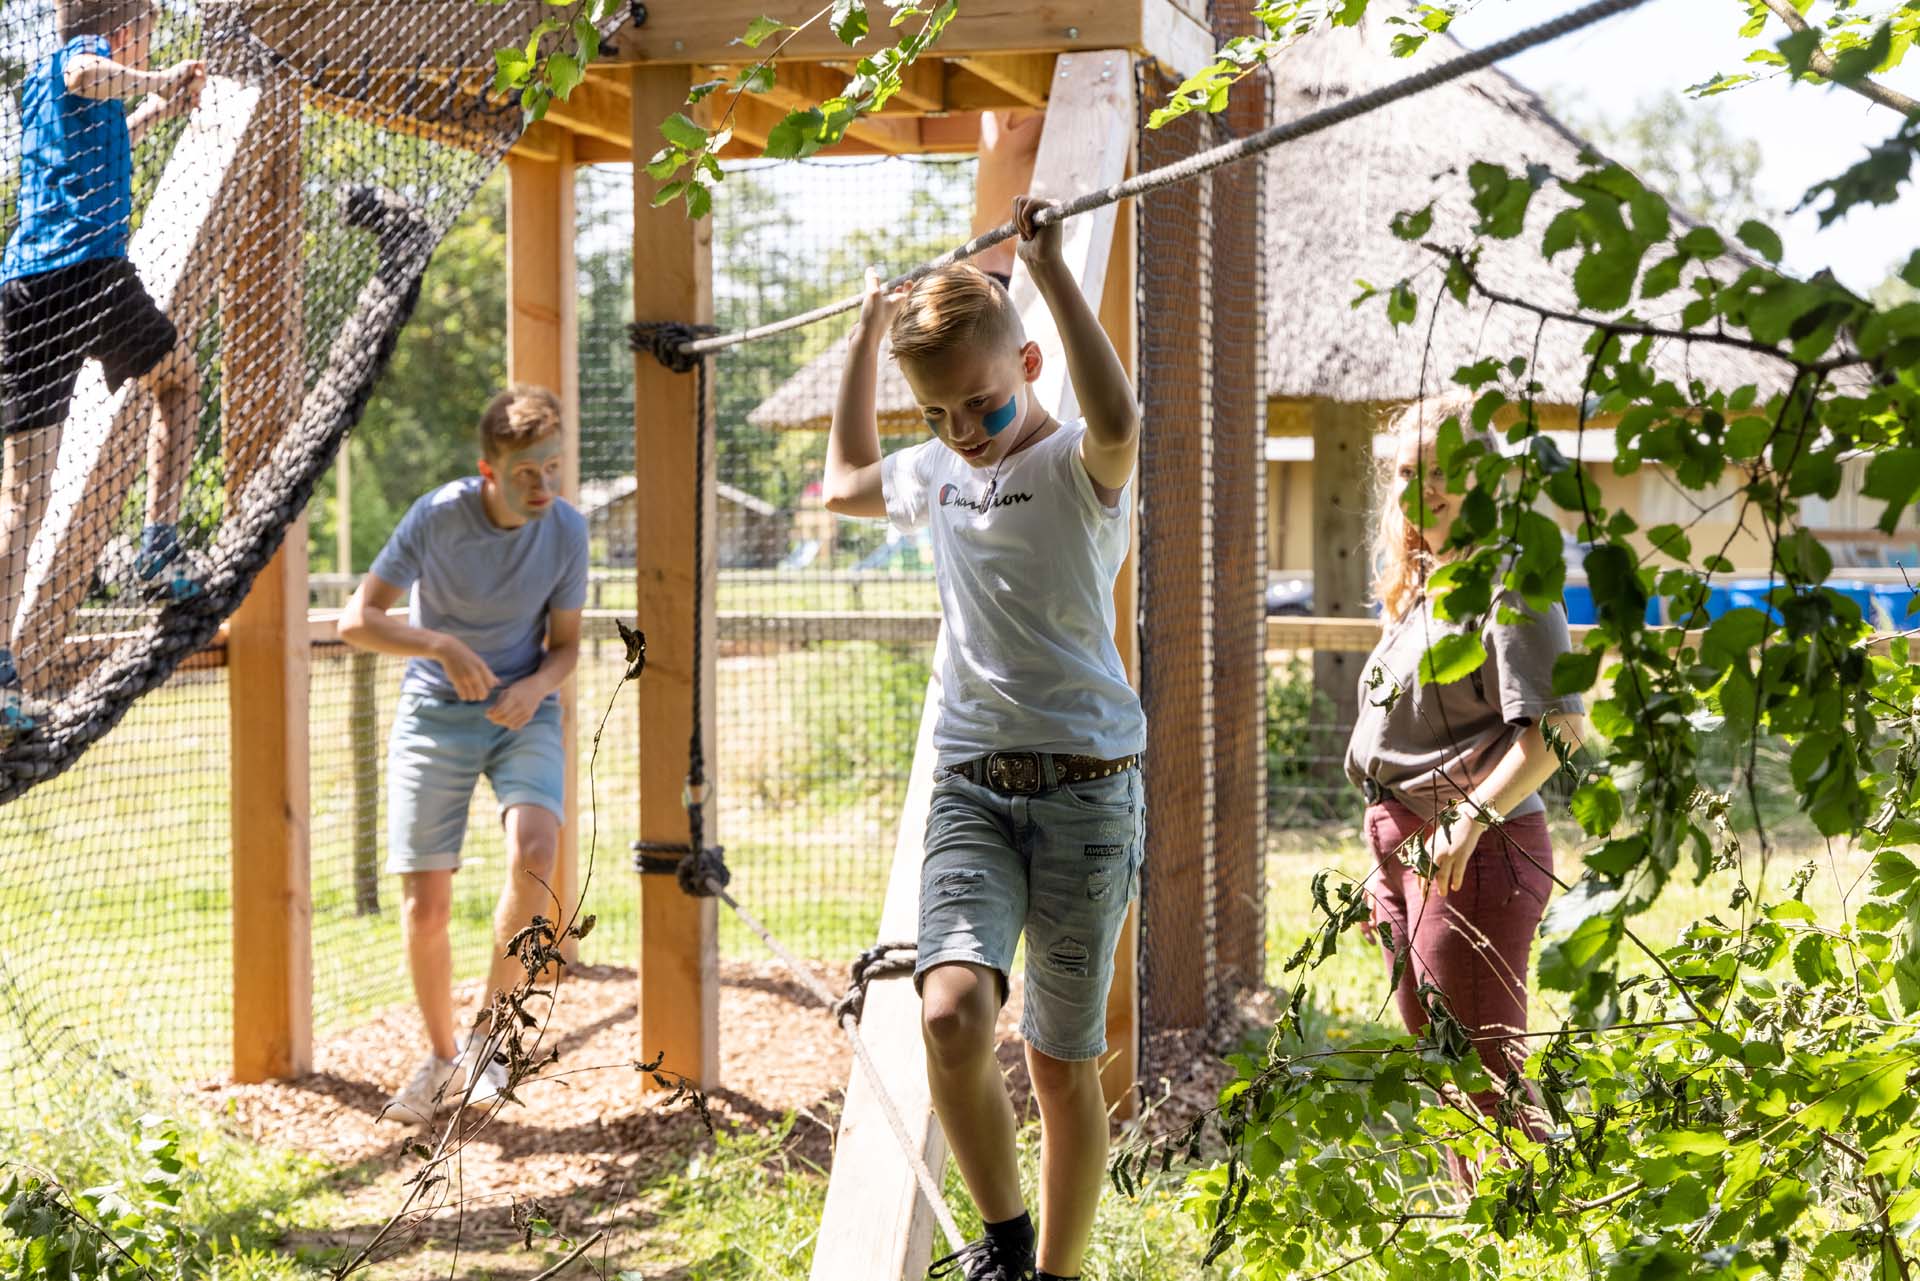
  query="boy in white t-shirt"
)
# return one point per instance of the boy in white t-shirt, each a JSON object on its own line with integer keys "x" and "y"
{"x": 1035, "y": 824}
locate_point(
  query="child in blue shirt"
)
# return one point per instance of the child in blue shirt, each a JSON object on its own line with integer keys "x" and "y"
{"x": 68, "y": 292}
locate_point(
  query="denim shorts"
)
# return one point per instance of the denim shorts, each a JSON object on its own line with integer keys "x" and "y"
{"x": 1060, "y": 866}
{"x": 439, "y": 749}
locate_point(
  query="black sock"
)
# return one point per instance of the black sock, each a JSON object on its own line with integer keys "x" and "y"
{"x": 1013, "y": 1234}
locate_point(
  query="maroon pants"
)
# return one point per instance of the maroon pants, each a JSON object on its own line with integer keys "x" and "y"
{"x": 1471, "y": 945}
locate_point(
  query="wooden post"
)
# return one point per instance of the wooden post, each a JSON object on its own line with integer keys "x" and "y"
{"x": 875, "y": 1222}
{"x": 542, "y": 348}
{"x": 1121, "y": 1070}
{"x": 672, "y": 281}
{"x": 343, "y": 510}
{"x": 1177, "y": 597}
{"x": 1238, "y": 396}
{"x": 1343, "y": 479}
{"x": 363, "y": 733}
{"x": 267, "y": 636}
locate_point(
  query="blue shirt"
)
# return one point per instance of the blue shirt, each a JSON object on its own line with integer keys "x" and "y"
{"x": 490, "y": 587}
{"x": 76, "y": 171}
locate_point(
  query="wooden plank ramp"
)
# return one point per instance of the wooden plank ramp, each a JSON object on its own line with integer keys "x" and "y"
{"x": 876, "y": 1224}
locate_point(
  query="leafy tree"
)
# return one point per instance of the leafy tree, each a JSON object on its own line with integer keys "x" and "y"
{"x": 1684, "y": 150}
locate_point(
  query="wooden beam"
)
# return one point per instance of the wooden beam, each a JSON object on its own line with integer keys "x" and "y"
{"x": 672, "y": 281}
{"x": 594, "y": 110}
{"x": 705, "y": 32}
{"x": 543, "y": 348}
{"x": 332, "y": 33}
{"x": 1343, "y": 479}
{"x": 1084, "y": 146}
{"x": 1025, "y": 77}
{"x": 592, "y": 151}
{"x": 1177, "y": 596}
{"x": 1120, "y": 1071}
{"x": 1175, "y": 38}
{"x": 968, "y": 92}
{"x": 875, "y": 1222}
{"x": 266, "y": 650}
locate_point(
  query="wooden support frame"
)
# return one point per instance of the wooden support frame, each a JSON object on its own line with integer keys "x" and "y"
{"x": 1343, "y": 479}
{"x": 673, "y": 281}
{"x": 543, "y": 348}
{"x": 706, "y": 34}
{"x": 267, "y": 653}
{"x": 1027, "y": 78}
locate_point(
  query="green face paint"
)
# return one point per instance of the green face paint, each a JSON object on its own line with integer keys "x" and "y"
{"x": 528, "y": 480}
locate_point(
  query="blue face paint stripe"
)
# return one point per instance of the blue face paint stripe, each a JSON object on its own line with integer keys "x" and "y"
{"x": 996, "y": 422}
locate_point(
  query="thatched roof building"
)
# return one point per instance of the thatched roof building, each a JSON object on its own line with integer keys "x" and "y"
{"x": 1329, "y": 200}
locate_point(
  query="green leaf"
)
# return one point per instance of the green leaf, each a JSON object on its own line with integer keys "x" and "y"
{"x": 1798, "y": 50}
{"x": 1733, "y": 636}
{"x": 1617, "y": 591}
{"x": 1762, "y": 239}
{"x": 758, "y": 30}
{"x": 1402, "y": 305}
{"x": 1575, "y": 671}
{"x": 1893, "y": 476}
{"x": 563, "y": 72}
{"x": 1670, "y": 540}
{"x": 682, "y": 132}
{"x": 849, "y": 21}
{"x": 1452, "y": 658}
{"x": 1702, "y": 242}
{"x": 1596, "y": 806}
{"x": 1412, "y": 226}
{"x": 665, "y": 163}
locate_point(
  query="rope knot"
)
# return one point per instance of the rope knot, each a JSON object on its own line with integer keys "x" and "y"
{"x": 883, "y": 961}
{"x": 667, "y": 342}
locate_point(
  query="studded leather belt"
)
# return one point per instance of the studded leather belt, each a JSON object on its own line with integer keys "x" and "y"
{"x": 1024, "y": 773}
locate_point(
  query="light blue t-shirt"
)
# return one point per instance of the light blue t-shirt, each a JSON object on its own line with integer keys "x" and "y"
{"x": 489, "y": 586}
{"x": 76, "y": 171}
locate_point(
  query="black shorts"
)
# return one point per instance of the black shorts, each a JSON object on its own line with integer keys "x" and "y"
{"x": 52, "y": 322}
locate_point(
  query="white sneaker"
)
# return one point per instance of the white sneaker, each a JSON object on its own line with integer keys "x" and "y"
{"x": 428, "y": 1092}
{"x": 489, "y": 1082}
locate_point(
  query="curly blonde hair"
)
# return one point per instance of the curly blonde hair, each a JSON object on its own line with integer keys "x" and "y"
{"x": 1400, "y": 553}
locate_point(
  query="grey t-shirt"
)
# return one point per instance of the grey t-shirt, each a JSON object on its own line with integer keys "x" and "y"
{"x": 489, "y": 586}
{"x": 1428, "y": 743}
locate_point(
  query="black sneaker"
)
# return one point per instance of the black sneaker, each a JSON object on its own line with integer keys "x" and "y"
{"x": 984, "y": 1260}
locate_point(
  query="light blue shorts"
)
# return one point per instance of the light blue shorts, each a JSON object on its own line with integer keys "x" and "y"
{"x": 1059, "y": 867}
{"x": 439, "y": 749}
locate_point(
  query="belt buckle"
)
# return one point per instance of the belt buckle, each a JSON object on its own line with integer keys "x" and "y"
{"x": 1016, "y": 773}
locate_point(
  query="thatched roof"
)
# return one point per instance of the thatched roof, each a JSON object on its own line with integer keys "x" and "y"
{"x": 1329, "y": 201}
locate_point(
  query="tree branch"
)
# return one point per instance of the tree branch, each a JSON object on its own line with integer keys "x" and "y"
{"x": 1871, "y": 90}
{"x": 1634, "y": 328}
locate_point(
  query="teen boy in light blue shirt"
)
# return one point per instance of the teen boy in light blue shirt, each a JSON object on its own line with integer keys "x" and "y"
{"x": 498, "y": 567}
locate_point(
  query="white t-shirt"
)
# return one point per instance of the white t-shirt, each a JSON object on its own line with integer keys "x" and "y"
{"x": 1026, "y": 586}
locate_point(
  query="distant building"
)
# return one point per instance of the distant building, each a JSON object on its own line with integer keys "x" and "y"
{"x": 752, "y": 533}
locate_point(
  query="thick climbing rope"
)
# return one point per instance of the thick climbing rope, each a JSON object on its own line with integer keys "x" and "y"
{"x": 681, "y": 348}
{"x": 1207, "y": 161}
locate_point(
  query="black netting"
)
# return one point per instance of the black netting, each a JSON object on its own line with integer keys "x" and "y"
{"x": 236, "y": 278}
{"x": 1201, "y": 567}
{"x": 241, "y": 272}
{"x": 826, "y": 626}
